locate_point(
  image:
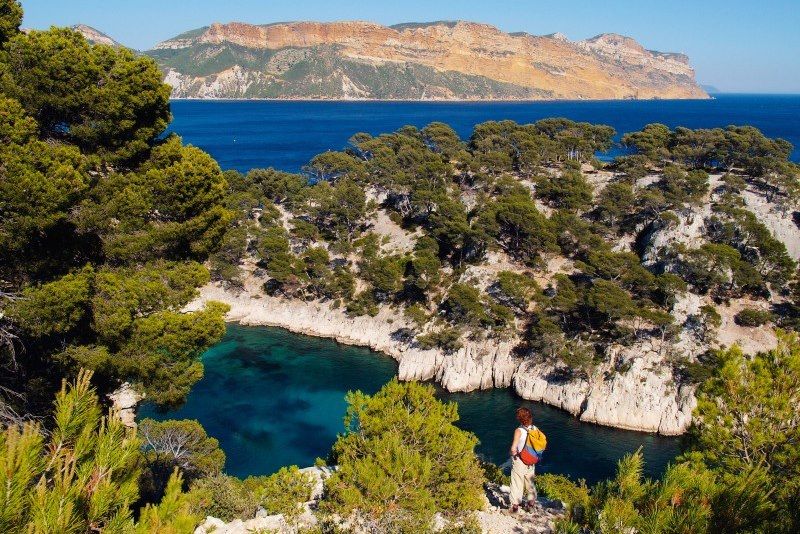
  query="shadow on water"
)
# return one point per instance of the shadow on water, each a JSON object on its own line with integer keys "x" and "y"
{"x": 274, "y": 398}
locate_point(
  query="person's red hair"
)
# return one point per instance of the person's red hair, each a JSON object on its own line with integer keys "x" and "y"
{"x": 524, "y": 416}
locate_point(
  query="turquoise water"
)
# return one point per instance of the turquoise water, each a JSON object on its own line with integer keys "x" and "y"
{"x": 286, "y": 135}
{"x": 274, "y": 398}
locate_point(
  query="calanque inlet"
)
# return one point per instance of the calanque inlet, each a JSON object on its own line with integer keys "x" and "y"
{"x": 290, "y": 313}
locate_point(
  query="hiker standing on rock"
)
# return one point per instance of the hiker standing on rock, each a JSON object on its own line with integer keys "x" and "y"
{"x": 526, "y": 451}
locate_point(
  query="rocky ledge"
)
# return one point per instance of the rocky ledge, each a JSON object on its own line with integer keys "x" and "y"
{"x": 634, "y": 391}
{"x": 493, "y": 518}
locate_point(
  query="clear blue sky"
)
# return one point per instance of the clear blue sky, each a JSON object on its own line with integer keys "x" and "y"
{"x": 735, "y": 45}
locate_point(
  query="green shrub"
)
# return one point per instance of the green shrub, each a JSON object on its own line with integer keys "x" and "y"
{"x": 697, "y": 372}
{"x": 570, "y": 191}
{"x": 446, "y": 338}
{"x": 578, "y": 356}
{"x": 517, "y": 289}
{"x": 565, "y": 526}
{"x": 385, "y": 274}
{"x": 560, "y": 487}
{"x": 198, "y": 455}
{"x": 224, "y": 497}
{"x": 283, "y": 492}
{"x": 402, "y": 459}
{"x": 81, "y": 474}
{"x": 342, "y": 284}
{"x": 493, "y": 473}
{"x": 500, "y": 318}
{"x": 463, "y": 305}
{"x": 418, "y": 314}
{"x": 752, "y": 317}
{"x": 362, "y": 304}
{"x": 396, "y": 218}
{"x": 470, "y": 525}
{"x": 679, "y": 502}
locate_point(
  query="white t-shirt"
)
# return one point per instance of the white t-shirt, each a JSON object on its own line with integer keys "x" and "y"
{"x": 523, "y": 438}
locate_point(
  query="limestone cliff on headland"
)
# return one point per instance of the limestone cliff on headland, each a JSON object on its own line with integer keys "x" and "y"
{"x": 427, "y": 61}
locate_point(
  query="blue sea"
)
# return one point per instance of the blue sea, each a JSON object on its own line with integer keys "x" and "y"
{"x": 286, "y": 134}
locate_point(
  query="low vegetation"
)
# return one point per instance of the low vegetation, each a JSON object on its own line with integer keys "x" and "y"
{"x": 82, "y": 475}
{"x": 401, "y": 460}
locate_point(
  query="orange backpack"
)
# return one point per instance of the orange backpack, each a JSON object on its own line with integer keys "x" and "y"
{"x": 535, "y": 444}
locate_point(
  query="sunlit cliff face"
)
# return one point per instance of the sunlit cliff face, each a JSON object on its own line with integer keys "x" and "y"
{"x": 608, "y": 66}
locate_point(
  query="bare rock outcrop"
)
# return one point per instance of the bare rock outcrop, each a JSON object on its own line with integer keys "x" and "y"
{"x": 688, "y": 230}
{"x": 94, "y": 36}
{"x": 270, "y": 523}
{"x": 635, "y": 391}
{"x": 125, "y": 400}
{"x": 778, "y": 219}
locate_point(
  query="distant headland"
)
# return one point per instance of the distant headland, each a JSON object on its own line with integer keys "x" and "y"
{"x": 415, "y": 61}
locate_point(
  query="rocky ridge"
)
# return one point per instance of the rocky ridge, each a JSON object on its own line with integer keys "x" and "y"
{"x": 94, "y": 36}
{"x": 439, "y": 61}
{"x": 635, "y": 386}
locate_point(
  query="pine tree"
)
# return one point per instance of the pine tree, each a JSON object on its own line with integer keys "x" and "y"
{"x": 402, "y": 459}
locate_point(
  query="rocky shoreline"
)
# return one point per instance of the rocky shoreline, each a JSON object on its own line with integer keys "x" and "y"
{"x": 643, "y": 397}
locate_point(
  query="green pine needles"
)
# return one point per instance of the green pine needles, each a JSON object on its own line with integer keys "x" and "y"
{"x": 402, "y": 459}
{"x": 82, "y": 475}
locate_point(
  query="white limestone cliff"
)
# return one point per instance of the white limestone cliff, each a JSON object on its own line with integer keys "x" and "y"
{"x": 642, "y": 395}
{"x": 642, "y": 398}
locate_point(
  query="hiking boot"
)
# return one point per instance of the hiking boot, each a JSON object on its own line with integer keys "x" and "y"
{"x": 530, "y": 506}
{"x": 514, "y": 509}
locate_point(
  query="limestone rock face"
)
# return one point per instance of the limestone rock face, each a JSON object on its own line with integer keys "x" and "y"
{"x": 125, "y": 399}
{"x": 780, "y": 221}
{"x": 478, "y": 365}
{"x": 644, "y": 397}
{"x": 270, "y": 523}
{"x": 689, "y": 231}
{"x": 439, "y": 60}
{"x": 662, "y": 405}
{"x": 641, "y": 395}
